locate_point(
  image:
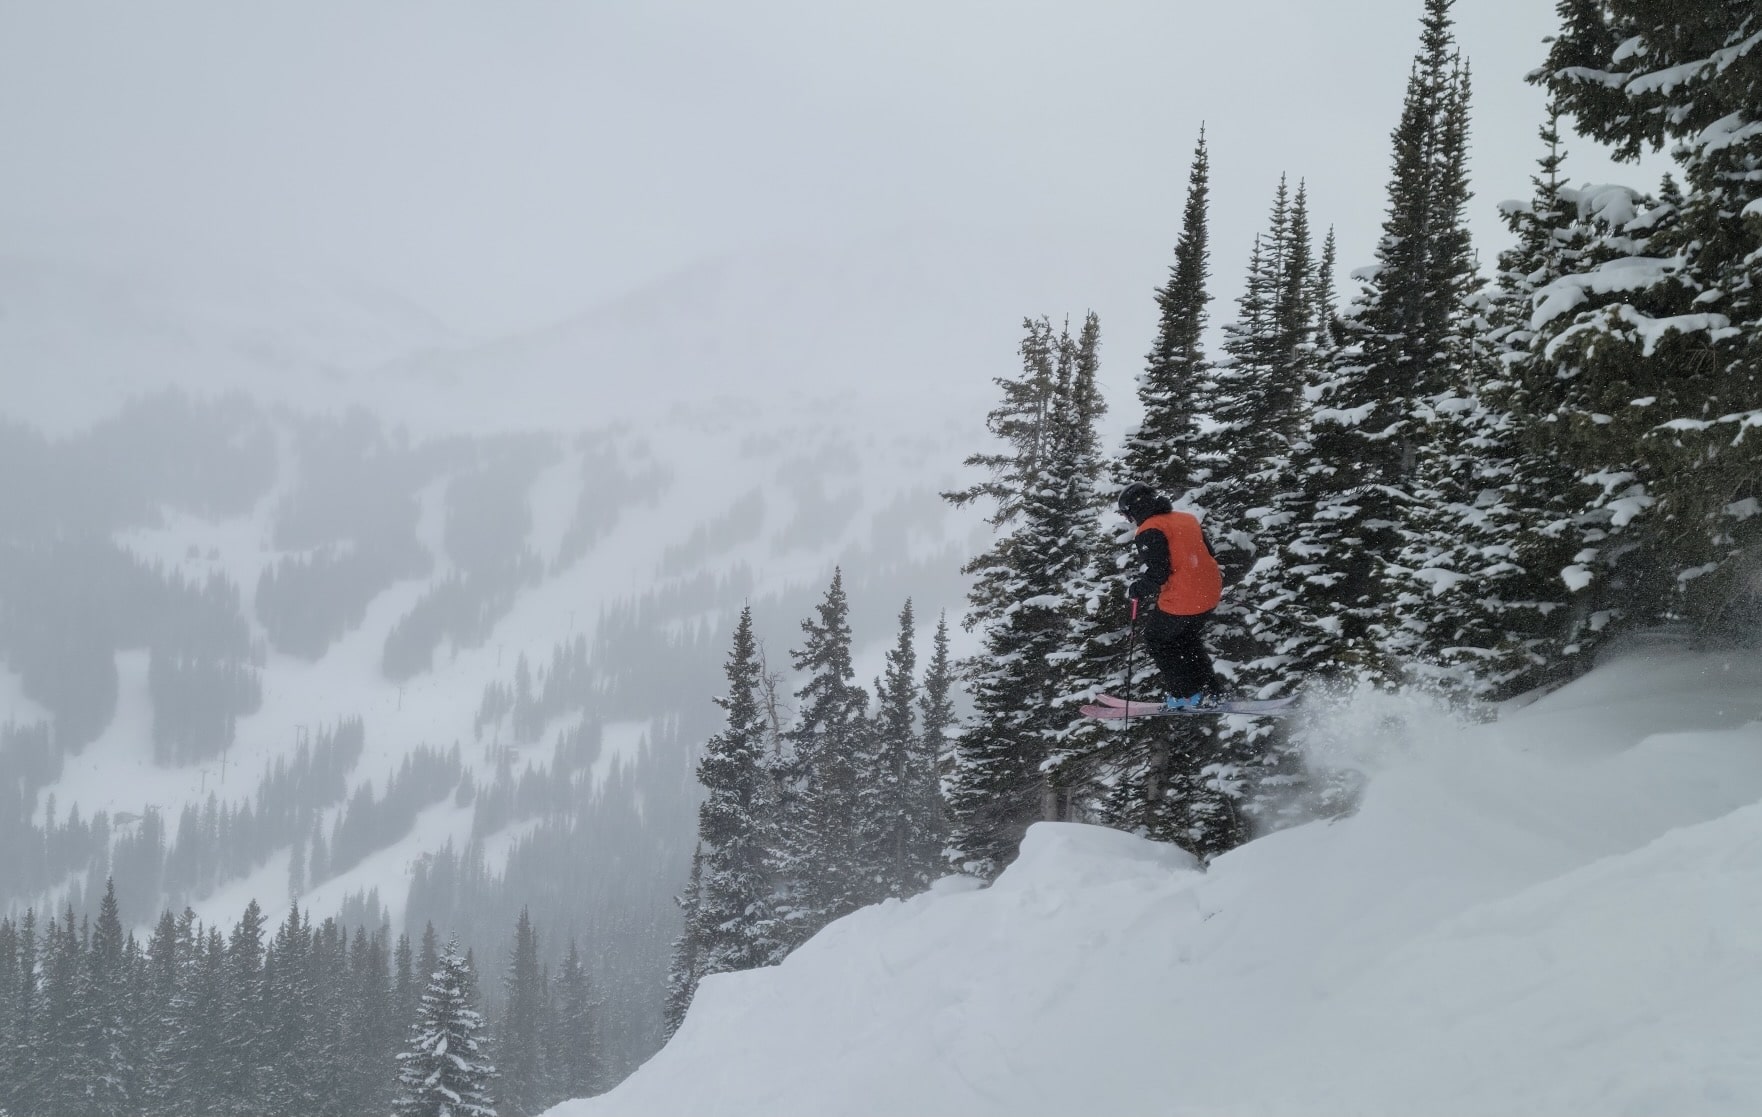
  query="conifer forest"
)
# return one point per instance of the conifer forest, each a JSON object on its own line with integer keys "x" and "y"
{"x": 1421, "y": 463}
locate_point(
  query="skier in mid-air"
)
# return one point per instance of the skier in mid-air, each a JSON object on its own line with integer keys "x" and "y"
{"x": 1179, "y": 585}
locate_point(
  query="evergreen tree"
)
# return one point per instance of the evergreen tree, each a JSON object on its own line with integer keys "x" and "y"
{"x": 62, "y": 1049}
{"x": 1659, "y": 378}
{"x": 892, "y": 800}
{"x": 1499, "y": 538}
{"x": 24, "y": 1074}
{"x": 406, "y": 983}
{"x": 577, "y": 1028}
{"x": 108, "y": 1028}
{"x": 1164, "y": 450}
{"x": 1404, "y": 345}
{"x": 738, "y": 925}
{"x": 522, "y": 1089}
{"x": 285, "y": 1076}
{"x": 244, "y": 1010}
{"x": 937, "y": 722}
{"x": 822, "y": 857}
{"x": 687, "y": 963}
{"x": 1031, "y": 599}
{"x": 367, "y": 1033}
{"x": 444, "y": 1071}
{"x": 9, "y": 982}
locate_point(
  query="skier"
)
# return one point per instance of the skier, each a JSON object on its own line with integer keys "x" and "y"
{"x": 1181, "y": 585}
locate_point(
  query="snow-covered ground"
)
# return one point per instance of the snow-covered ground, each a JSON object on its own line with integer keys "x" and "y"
{"x": 1554, "y": 913}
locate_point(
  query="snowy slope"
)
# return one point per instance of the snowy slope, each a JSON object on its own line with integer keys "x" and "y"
{"x": 1553, "y": 913}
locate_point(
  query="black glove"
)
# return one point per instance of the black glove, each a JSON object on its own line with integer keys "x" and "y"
{"x": 1141, "y": 590}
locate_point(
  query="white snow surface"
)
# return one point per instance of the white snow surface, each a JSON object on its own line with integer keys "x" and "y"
{"x": 1552, "y": 913}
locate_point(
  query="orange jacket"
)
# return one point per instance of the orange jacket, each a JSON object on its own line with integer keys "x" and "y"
{"x": 1195, "y": 584}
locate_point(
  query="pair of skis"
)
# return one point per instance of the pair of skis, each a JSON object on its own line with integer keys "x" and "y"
{"x": 1109, "y": 708}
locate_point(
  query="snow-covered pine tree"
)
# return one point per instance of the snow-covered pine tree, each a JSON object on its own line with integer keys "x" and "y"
{"x": 731, "y": 916}
{"x": 109, "y": 1030}
{"x": 686, "y": 966}
{"x": 893, "y": 794}
{"x": 1078, "y": 571}
{"x": 1163, "y": 451}
{"x": 934, "y": 759}
{"x": 287, "y": 1013}
{"x": 23, "y": 1074}
{"x": 245, "y": 1026}
{"x": 444, "y": 1071}
{"x": 1255, "y": 511}
{"x": 1326, "y": 299}
{"x": 367, "y": 1033}
{"x": 1023, "y": 599}
{"x": 520, "y": 1092}
{"x": 577, "y": 1066}
{"x": 14, "y": 1021}
{"x": 1403, "y": 345}
{"x": 406, "y": 983}
{"x": 1505, "y": 533}
{"x": 1169, "y": 452}
{"x": 821, "y": 860}
{"x": 1662, "y": 334}
{"x": 993, "y": 785}
{"x": 62, "y": 1050}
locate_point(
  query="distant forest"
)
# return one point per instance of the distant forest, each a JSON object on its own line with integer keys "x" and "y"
{"x": 293, "y": 1018}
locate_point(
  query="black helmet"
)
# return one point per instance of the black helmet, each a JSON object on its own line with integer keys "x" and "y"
{"x": 1137, "y": 501}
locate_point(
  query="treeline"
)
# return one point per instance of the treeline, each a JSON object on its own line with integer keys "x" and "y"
{"x": 807, "y": 817}
{"x": 1446, "y": 482}
{"x": 73, "y": 598}
{"x": 74, "y": 602}
{"x": 294, "y": 1018}
{"x": 216, "y": 842}
{"x": 584, "y": 856}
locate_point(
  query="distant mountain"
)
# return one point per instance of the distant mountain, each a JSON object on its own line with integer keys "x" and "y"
{"x": 77, "y": 339}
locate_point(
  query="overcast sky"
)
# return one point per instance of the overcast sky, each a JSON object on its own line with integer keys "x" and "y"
{"x": 508, "y": 163}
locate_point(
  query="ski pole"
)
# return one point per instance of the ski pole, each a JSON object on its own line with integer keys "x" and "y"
{"x": 1126, "y": 688}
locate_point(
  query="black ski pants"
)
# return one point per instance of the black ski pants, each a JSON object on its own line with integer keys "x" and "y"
{"x": 1177, "y": 645}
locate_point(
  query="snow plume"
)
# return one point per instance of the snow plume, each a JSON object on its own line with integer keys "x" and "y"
{"x": 1550, "y": 913}
{"x": 1348, "y": 733}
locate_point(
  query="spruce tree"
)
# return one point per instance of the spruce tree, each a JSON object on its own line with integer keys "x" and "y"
{"x": 520, "y": 1093}
{"x": 934, "y": 762}
{"x": 287, "y": 1011}
{"x": 1163, "y": 451}
{"x": 243, "y": 1013}
{"x": 822, "y": 859}
{"x": 1500, "y": 537}
{"x": 578, "y": 1036}
{"x": 1402, "y": 346}
{"x": 686, "y": 966}
{"x": 63, "y": 1051}
{"x": 445, "y": 1071}
{"x": 1665, "y": 373}
{"x": 1029, "y": 591}
{"x": 738, "y": 925}
{"x": 110, "y": 1042}
{"x": 9, "y": 984}
{"x": 889, "y": 807}
{"x": 24, "y": 1073}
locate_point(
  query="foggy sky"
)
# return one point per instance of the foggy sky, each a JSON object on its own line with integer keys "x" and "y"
{"x": 507, "y": 164}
